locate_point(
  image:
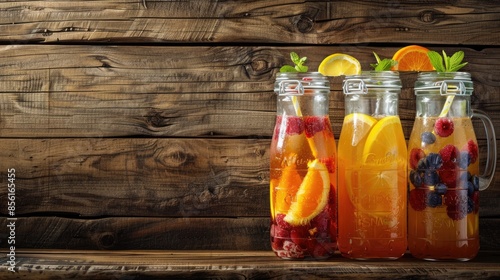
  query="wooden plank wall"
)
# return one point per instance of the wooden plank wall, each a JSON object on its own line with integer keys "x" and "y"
{"x": 145, "y": 124}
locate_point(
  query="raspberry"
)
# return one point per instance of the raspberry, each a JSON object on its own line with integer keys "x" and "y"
{"x": 313, "y": 125}
{"x": 290, "y": 250}
{"x": 448, "y": 173}
{"x": 299, "y": 236}
{"x": 418, "y": 199}
{"x": 416, "y": 154}
{"x": 457, "y": 212}
{"x": 282, "y": 223}
{"x": 320, "y": 223}
{"x": 428, "y": 137}
{"x": 294, "y": 125}
{"x": 449, "y": 153}
{"x": 444, "y": 127}
{"x": 455, "y": 197}
{"x": 329, "y": 163}
{"x": 472, "y": 149}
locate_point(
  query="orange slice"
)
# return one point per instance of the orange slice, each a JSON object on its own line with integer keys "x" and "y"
{"x": 356, "y": 127}
{"x": 286, "y": 189}
{"x": 312, "y": 195}
{"x": 386, "y": 143}
{"x": 339, "y": 64}
{"x": 412, "y": 58}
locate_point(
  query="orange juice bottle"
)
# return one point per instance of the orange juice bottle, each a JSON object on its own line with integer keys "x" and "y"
{"x": 443, "y": 169}
{"x": 303, "y": 169}
{"x": 372, "y": 182}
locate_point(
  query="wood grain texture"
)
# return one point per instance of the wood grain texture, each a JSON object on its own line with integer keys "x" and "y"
{"x": 106, "y": 91}
{"x": 167, "y": 233}
{"x": 138, "y": 177}
{"x": 148, "y": 177}
{"x": 283, "y": 21}
{"x": 54, "y": 264}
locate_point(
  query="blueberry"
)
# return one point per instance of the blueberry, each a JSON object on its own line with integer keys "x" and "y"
{"x": 470, "y": 188}
{"x": 428, "y": 137}
{"x": 475, "y": 182}
{"x": 431, "y": 177}
{"x": 422, "y": 164}
{"x": 434, "y": 199}
{"x": 464, "y": 159}
{"x": 470, "y": 205}
{"x": 416, "y": 178}
{"x": 440, "y": 188}
{"x": 434, "y": 161}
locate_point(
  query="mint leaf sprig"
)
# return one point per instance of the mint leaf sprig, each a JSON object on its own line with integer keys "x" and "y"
{"x": 383, "y": 64}
{"x": 446, "y": 63}
{"x": 299, "y": 64}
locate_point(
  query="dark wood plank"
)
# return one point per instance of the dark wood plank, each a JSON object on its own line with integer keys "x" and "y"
{"x": 236, "y": 265}
{"x": 137, "y": 176}
{"x": 283, "y": 21}
{"x": 166, "y": 233}
{"x": 105, "y": 91}
{"x": 148, "y": 177}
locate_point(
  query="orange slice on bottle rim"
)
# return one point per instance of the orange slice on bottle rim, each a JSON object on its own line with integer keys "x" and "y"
{"x": 412, "y": 58}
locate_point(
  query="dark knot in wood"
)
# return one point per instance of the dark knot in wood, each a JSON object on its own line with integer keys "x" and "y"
{"x": 106, "y": 240}
{"x": 427, "y": 16}
{"x": 304, "y": 24}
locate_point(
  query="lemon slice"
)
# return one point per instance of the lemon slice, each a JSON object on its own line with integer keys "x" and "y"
{"x": 385, "y": 145}
{"x": 339, "y": 64}
{"x": 312, "y": 195}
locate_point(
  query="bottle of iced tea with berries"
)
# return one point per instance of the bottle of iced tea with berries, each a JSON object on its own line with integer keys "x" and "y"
{"x": 303, "y": 169}
{"x": 372, "y": 181}
{"x": 443, "y": 169}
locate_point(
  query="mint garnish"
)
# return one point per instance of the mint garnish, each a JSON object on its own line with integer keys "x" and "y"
{"x": 383, "y": 64}
{"x": 299, "y": 64}
{"x": 445, "y": 63}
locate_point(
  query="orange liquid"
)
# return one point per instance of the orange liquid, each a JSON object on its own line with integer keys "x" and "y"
{"x": 439, "y": 232}
{"x": 291, "y": 150}
{"x": 372, "y": 196}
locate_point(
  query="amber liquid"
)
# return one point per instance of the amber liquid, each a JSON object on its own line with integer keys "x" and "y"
{"x": 445, "y": 227}
{"x": 292, "y": 147}
{"x": 372, "y": 197}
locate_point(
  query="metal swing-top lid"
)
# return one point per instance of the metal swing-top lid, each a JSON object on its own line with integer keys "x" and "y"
{"x": 444, "y": 83}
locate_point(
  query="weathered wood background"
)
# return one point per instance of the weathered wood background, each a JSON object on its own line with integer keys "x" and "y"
{"x": 138, "y": 124}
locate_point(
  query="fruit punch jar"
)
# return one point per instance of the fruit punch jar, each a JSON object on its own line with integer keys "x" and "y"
{"x": 303, "y": 169}
{"x": 443, "y": 169}
{"x": 372, "y": 180}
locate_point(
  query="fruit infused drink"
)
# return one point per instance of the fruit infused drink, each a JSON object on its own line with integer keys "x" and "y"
{"x": 303, "y": 169}
{"x": 443, "y": 170}
{"x": 372, "y": 180}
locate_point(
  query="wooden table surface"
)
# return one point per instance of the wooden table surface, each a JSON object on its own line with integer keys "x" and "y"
{"x": 71, "y": 264}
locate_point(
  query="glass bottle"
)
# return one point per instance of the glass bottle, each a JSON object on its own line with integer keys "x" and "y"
{"x": 443, "y": 169}
{"x": 303, "y": 169}
{"x": 372, "y": 183}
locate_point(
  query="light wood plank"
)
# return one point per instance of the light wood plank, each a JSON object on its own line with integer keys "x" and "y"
{"x": 105, "y": 91}
{"x": 236, "y": 265}
{"x": 283, "y": 21}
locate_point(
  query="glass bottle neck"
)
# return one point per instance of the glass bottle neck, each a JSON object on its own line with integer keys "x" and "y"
{"x": 434, "y": 105}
